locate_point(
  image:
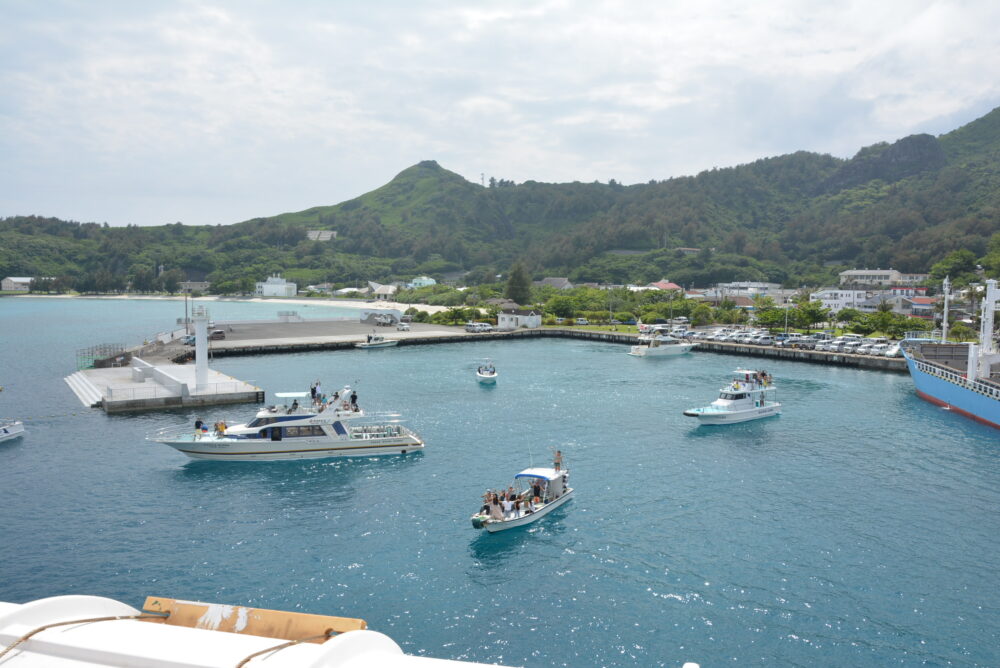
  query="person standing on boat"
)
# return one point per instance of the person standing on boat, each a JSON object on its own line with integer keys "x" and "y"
{"x": 557, "y": 460}
{"x": 312, "y": 391}
{"x": 354, "y": 401}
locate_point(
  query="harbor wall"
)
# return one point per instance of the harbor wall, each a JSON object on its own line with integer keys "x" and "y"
{"x": 261, "y": 347}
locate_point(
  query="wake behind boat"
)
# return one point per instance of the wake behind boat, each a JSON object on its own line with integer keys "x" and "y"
{"x": 746, "y": 398}
{"x": 535, "y": 493}
{"x": 320, "y": 429}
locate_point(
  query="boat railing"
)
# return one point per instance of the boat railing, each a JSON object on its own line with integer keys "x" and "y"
{"x": 982, "y": 386}
{"x": 364, "y": 432}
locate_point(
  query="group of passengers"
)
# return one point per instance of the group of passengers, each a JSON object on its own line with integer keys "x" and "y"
{"x": 321, "y": 402}
{"x": 508, "y": 504}
{"x": 201, "y": 428}
{"x": 753, "y": 379}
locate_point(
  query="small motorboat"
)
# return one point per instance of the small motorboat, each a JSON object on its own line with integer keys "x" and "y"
{"x": 657, "y": 344}
{"x": 537, "y": 492}
{"x": 486, "y": 374}
{"x": 11, "y": 430}
{"x": 374, "y": 340}
{"x": 745, "y": 398}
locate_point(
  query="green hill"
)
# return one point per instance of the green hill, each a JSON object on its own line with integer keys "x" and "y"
{"x": 795, "y": 219}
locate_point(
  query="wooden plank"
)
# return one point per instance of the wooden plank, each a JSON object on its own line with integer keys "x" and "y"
{"x": 251, "y": 621}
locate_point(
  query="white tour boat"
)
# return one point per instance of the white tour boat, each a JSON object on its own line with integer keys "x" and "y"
{"x": 11, "y": 430}
{"x": 374, "y": 340}
{"x": 748, "y": 397}
{"x": 487, "y": 373}
{"x": 297, "y": 431}
{"x": 538, "y": 491}
{"x": 660, "y": 345}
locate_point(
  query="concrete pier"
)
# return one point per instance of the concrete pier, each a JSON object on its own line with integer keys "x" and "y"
{"x": 273, "y": 338}
{"x": 144, "y": 386}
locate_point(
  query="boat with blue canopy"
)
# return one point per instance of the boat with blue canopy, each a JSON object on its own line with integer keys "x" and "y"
{"x": 534, "y": 494}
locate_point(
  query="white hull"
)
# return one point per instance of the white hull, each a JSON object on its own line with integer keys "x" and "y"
{"x": 486, "y": 379}
{"x": 733, "y": 417}
{"x": 228, "y": 449}
{"x": 378, "y": 344}
{"x": 11, "y": 430}
{"x": 661, "y": 351}
{"x": 495, "y": 526}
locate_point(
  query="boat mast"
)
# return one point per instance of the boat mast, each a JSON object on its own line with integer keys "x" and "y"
{"x": 946, "y": 286}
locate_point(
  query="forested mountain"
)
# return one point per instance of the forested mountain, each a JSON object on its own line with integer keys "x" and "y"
{"x": 795, "y": 219}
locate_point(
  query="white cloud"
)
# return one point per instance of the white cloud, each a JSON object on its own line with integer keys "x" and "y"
{"x": 220, "y": 111}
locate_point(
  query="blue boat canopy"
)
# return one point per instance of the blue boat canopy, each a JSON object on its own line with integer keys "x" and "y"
{"x": 546, "y": 474}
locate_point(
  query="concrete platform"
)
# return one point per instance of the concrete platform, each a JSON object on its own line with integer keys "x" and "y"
{"x": 163, "y": 385}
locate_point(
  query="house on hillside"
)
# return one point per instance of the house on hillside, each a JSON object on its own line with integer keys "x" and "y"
{"x": 276, "y": 286}
{"x": 664, "y": 284}
{"x": 919, "y": 307}
{"x": 511, "y": 319}
{"x": 421, "y": 282}
{"x": 908, "y": 291}
{"x": 837, "y": 299}
{"x": 16, "y": 283}
{"x": 382, "y": 291}
{"x": 881, "y": 278}
{"x": 559, "y": 283}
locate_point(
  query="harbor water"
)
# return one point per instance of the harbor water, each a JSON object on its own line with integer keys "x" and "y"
{"x": 858, "y": 528}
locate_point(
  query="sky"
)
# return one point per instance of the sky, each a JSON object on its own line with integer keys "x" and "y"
{"x": 154, "y": 112}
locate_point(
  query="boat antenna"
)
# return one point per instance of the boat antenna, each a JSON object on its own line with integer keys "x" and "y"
{"x": 531, "y": 459}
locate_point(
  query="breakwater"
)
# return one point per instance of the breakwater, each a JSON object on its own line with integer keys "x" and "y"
{"x": 265, "y": 347}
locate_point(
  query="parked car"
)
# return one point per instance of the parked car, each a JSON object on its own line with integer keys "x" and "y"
{"x": 582, "y": 321}
{"x": 630, "y": 321}
{"x": 851, "y": 346}
{"x": 764, "y": 340}
{"x": 615, "y": 321}
{"x": 217, "y": 334}
{"x": 188, "y": 340}
{"x": 403, "y": 327}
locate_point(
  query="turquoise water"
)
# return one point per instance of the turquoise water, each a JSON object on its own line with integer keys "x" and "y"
{"x": 859, "y": 528}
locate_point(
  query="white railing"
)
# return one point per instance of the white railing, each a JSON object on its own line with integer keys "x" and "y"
{"x": 228, "y": 387}
{"x": 980, "y": 386}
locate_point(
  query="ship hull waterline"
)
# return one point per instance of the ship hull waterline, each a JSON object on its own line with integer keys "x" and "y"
{"x": 956, "y": 399}
{"x": 282, "y": 450}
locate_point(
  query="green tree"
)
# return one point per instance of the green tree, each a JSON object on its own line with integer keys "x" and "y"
{"x": 960, "y": 265}
{"x": 518, "y": 286}
{"x": 808, "y": 313}
{"x": 701, "y": 314}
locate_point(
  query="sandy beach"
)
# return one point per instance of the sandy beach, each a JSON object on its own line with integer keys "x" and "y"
{"x": 346, "y": 303}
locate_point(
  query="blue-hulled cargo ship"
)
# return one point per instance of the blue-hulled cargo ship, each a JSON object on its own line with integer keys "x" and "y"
{"x": 962, "y": 377}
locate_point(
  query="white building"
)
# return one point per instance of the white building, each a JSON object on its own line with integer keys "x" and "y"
{"x": 276, "y": 286}
{"x": 382, "y": 291}
{"x": 512, "y": 319}
{"x": 16, "y": 283}
{"x": 421, "y": 282}
{"x": 836, "y": 299}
